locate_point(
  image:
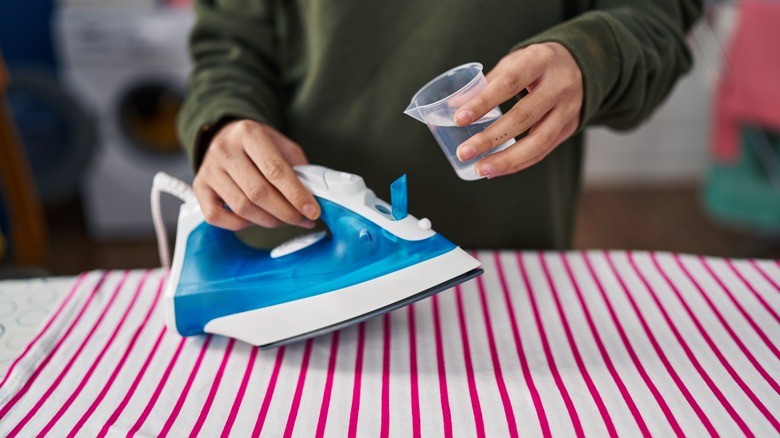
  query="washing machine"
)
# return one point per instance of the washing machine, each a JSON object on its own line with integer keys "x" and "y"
{"x": 128, "y": 68}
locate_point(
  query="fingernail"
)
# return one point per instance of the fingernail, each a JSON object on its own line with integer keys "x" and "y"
{"x": 307, "y": 224}
{"x": 463, "y": 117}
{"x": 466, "y": 152}
{"x": 311, "y": 211}
{"x": 484, "y": 170}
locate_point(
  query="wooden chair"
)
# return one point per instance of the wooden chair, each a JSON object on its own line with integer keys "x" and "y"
{"x": 28, "y": 239}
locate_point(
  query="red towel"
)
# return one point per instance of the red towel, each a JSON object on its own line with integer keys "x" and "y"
{"x": 749, "y": 91}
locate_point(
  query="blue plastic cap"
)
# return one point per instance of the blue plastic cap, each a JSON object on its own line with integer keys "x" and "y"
{"x": 398, "y": 198}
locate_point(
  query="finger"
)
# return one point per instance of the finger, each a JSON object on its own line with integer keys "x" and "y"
{"x": 214, "y": 212}
{"x": 542, "y": 139}
{"x": 290, "y": 150}
{"x": 239, "y": 204}
{"x": 278, "y": 172}
{"x": 262, "y": 194}
{"x": 512, "y": 75}
{"x": 516, "y": 121}
{"x": 568, "y": 130}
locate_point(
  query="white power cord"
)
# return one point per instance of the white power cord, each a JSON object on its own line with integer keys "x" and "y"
{"x": 165, "y": 183}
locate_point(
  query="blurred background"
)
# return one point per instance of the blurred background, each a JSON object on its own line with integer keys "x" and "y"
{"x": 91, "y": 89}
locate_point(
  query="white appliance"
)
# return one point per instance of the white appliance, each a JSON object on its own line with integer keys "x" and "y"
{"x": 128, "y": 65}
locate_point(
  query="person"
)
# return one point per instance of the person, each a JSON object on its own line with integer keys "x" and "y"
{"x": 280, "y": 83}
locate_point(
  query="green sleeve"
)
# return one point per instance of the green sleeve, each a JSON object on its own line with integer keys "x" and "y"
{"x": 630, "y": 52}
{"x": 234, "y": 47}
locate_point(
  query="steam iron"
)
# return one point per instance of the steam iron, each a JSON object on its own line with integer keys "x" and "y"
{"x": 375, "y": 259}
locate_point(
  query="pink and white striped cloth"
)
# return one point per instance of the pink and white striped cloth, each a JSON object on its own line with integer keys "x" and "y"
{"x": 543, "y": 344}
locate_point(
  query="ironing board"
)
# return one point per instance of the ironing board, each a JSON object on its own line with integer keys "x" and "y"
{"x": 543, "y": 344}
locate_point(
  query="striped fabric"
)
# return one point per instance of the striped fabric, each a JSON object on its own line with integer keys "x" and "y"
{"x": 543, "y": 344}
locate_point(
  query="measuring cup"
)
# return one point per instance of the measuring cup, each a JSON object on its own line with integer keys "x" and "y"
{"x": 435, "y": 105}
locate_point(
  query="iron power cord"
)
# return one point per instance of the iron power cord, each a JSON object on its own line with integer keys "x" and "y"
{"x": 164, "y": 183}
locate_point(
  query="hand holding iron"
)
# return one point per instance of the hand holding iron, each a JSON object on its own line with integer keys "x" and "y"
{"x": 247, "y": 177}
{"x": 551, "y": 110}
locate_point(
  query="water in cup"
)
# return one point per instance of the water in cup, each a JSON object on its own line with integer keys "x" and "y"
{"x": 435, "y": 105}
{"x": 450, "y": 136}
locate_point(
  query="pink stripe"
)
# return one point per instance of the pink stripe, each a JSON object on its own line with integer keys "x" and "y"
{"x": 753, "y": 291}
{"x": 476, "y": 408}
{"x": 184, "y": 392}
{"x": 742, "y": 311}
{"x": 204, "y": 412}
{"x": 118, "y": 411}
{"x": 665, "y": 360}
{"x": 505, "y": 400}
{"x": 99, "y": 399}
{"x": 680, "y": 340}
{"x": 734, "y": 375}
{"x": 88, "y": 375}
{"x": 764, "y": 274}
{"x": 415, "y": 390}
{"x": 76, "y": 284}
{"x": 325, "y": 406}
{"x": 575, "y": 419}
{"x": 68, "y": 366}
{"x": 384, "y": 426}
{"x": 353, "y": 414}
{"x": 57, "y": 346}
{"x": 269, "y": 393}
{"x": 288, "y": 430}
{"x": 442, "y": 370}
{"x": 634, "y": 358}
{"x": 529, "y": 381}
{"x": 594, "y": 392}
{"x": 748, "y": 318}
{"x": 240, "y": 395}
{"x": 603, "y": 351}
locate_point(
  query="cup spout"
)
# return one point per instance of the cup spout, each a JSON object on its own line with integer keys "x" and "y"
{"x": 413, "y": 111}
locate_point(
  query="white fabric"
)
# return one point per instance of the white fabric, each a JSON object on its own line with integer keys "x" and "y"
{"x": 598, "y": 343}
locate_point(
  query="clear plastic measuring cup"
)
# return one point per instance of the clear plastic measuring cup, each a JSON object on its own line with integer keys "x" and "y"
{"x": 435, "y": 105}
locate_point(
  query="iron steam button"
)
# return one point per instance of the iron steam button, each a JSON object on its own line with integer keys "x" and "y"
{"x": 343, "y": 183}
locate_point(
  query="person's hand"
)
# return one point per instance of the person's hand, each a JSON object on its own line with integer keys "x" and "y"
{"x": 247, "y": 178}
{"x": 551, "y": 110}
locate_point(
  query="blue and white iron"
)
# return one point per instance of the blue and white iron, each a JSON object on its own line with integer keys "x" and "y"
{"x": 375, "y": 259}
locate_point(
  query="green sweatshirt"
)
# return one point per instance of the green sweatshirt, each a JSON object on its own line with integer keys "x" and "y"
{"x": 335, "y": 76}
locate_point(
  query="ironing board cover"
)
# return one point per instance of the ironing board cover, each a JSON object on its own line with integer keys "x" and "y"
{"x": 597, "y": 343}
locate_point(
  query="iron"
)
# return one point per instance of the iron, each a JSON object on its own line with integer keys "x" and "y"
{"x": 374, "y": 259}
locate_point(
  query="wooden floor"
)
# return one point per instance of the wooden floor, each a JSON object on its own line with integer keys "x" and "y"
{"x": 660, "y": 219}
